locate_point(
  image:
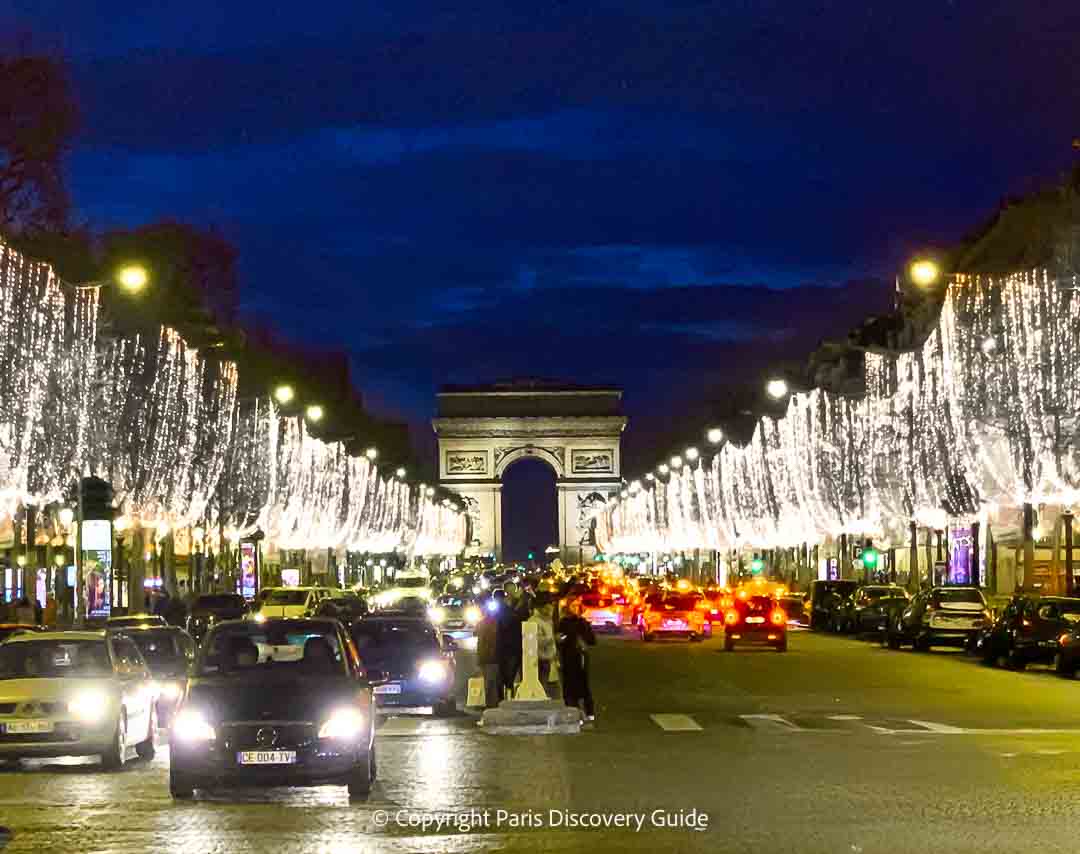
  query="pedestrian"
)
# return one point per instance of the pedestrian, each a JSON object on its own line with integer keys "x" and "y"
{"x": 545, "y": 642}
{"x": 161, "y": 607}
{"x": 487, "y": 657}
{"x": 575, "y": 637}
{"x": 37, "y": 612}
{"x": 24, "y": 612}
{"x": 508, "y": 643}
{"x": 48, "y": 616}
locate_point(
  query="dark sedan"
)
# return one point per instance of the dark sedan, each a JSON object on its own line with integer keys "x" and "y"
{"x": 866, "y": 610}
{"x": 283, "y": 702}
{"x": 168, "y": 651}
{"x": 408, "y": 665}
{"x": 824, "y": 599}
{"x": 211, "y": 608}
{"x": 1032, "y": 629}
{"x": 756, "y": 619}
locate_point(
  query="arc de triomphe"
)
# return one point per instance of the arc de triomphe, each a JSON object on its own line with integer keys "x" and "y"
{"x": 576, "y": 430}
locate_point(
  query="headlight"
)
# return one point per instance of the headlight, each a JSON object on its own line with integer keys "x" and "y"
{"x": 473, "y": 615}
{"x": 259, "y": 617}
{"x": 343, "y": 723}
{"x": 437, "y": 615}
{"x": 89, "y": 706}
{"x": 171, "y": 690}
{"x": 191, "y": 725}
{"x": 432, "y": 671}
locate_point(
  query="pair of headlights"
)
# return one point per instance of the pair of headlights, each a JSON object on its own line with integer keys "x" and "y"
{"x": 192, "y": 726}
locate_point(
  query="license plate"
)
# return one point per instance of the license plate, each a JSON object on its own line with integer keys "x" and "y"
{"x": 23, "y": 727}
{"x": 674, "y": 624}
{"x": 266, "y": 757}
{"x": 755, "y": 619}
{"x": 387, "y": 689}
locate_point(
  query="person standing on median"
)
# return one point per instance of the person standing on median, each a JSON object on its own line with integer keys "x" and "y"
{"x": 487, "y": 657}
{"x": 575, "y": 638}
{"x": 509, "y": 641}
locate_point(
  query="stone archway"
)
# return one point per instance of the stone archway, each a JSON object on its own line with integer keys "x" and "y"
{"x": 483, "y": 430}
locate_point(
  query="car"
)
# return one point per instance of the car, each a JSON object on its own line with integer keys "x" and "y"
{"x": 864, "y": 610}
{"x": 603, "y": 611}
{"x": 796, "y": 606}
{"x": 457, "y": 617}
{"x": 168, "y": 652}
{"x": 9, "y": 629}
{"x": 210, "y": 608}
{"x": 343, "y": 605}
{"x": 411, "y": 585}
{"x": 940, "y": 616}
{"x": 675, "y": 613}
{"x": 75, "y": 693}
{"x": 755, "y": 619}
{"x": 282, "y": 702}
{"x": 409, "y": 665}
{"x": 130, "y": 620}
{"x": 1029, "y": 630}
{"x": 825, "y": 597}
{"x": 289, "y": 602}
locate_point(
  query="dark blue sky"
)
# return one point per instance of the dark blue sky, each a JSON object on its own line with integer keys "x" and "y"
{"x": 656, "y": 194}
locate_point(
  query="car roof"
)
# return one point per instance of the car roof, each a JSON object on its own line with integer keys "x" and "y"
{"x": 143, "y": 627}
{"x": 272, "y": 620}
{"x": 393, "y": 617}
{"x": 59, "y": 635}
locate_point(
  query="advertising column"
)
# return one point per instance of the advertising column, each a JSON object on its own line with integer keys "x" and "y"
{"x": 95, "y": 564}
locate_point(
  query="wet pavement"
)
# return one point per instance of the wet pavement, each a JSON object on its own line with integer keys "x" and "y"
{"x": 837, "y": 745}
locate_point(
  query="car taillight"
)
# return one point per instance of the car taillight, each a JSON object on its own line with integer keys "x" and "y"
{"x": 714, "y": 612}
{"x": 731, "y": 617}
{"x": 778, "y": 617}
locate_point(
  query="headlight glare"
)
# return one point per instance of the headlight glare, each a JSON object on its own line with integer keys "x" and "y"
{"x": 437, "y": 615}
{"x": 89, "y": 706}
{"x": 171, "y": 690}
{"x": 191, "y": 725}
{"x": 343, "y": 723}
{"x": 432, "y": 671}
{"x": 473, "y": 615}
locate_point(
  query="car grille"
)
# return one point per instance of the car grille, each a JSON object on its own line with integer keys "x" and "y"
{"x": 7, "y": 708}
{"x": 62, "y": 733}
{"x": 245, "y": 735}
{"x": 32, "y": 708}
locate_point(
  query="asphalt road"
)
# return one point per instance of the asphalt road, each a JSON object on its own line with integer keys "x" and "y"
{"x": 835, "y": 746}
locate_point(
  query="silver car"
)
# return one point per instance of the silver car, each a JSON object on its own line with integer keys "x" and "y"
{"x": 75, "y": 694}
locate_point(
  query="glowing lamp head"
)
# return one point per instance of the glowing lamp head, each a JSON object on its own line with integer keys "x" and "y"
{"x": 314, "y": 413}
{"x": 132, "y": 278}
{"x": 371, "y": 453}
{"x": 777, "y": 389}
{"x": 676, "y": 462}
{"x": 400, "y": 473}
{"x": 924, "y": 272}
{"x": 989, "y": 346}
{"x": 691, "y": 454}
{"x": 284, "y": 394}
{"x": 663, "y": 468}
{"x": 715, "y": 436}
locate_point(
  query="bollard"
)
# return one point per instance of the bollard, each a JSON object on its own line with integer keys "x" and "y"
{"x": 530, "y": 687}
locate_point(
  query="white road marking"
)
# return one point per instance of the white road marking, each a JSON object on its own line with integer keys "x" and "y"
{"x": 844, "y": 717}
{"x": 400, "y": 727}
{"x": 676, "y": 723}
{"x": 1050, "y": 752}
{"x": 773, "y": 722}
{"x": 944, "y": 729}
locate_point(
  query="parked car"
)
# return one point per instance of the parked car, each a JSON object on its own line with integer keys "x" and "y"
{"x": 952, "y": 616}
{"x": 281, "y": 702}
{"x": 865, "y": 610}
{"x": 210, "y": 608}
{"x": 75, "y": 694}
{"x": 293, "y": 602}
{"x": 342, "y": 605}
{"x": 824, "y": 598}
{"x": 1029, "y": 629}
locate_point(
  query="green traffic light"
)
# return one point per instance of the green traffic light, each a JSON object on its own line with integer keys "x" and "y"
{"x": 530, "y": 555}
{"x": 869, "y": 557}
{"x": 757, "y": 565}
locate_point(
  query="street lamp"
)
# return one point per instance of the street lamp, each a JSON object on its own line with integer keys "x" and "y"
{"x": 650, "y": 476}
{"x": 691, "y": 454}
{"x": 662, "y": 468}
{"x": 284, "y": 394}
{"x": 676, "y": 462}
{"x": 715, "y": 436}
{"x": 924, "y": 272}
{"x": 777, "y": 389}
{"x": 400, "y": 473}
{"x": 430, "y": 492}
{"x": 371, "y": 453}
{"x": 132, "y": 278}
{"x": 314, "y": 413}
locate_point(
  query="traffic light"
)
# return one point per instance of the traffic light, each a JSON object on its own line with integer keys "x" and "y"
{"x": 869, "y": 557}
{"x": 530, "y": 555}
{"x": 96, "y": 498}
{"x": 757, "y": 565}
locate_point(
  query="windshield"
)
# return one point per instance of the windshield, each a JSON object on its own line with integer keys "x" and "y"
{"x": 385, "y": 634}
{"x": 303, "y": 647}
{"x": 223, "y": 600}
{"x": 286, "y": 597}
{"x": 411, "y": 582}
{"x": 162, "y": 645}
{"x": 958, "y": 595}
{"x": 50, "y": 659}
{"x": 682, "y": 602}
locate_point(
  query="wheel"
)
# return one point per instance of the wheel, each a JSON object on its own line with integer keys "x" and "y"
{"x": 921, "y": 643}
{"x": 647, "y": 637}
{"x": 893, "y": 640}
{"x": 729, "y": 645}
{"x": 114, "y": 757}
{"x": 782, "y": 646}
{"x": 181, "y": 786}
{"x": 145, "y": 749}
{"x": 1063, "y": 668}
{"x": 362, "y": 776}
{"x": 694, "y": 638}
{"x": 1015, "y": 661}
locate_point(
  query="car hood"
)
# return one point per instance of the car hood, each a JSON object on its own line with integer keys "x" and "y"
{"x": 252, "y": 697}
{"x": 47, "y": 690}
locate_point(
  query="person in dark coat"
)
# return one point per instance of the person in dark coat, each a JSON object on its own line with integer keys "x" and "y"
{"x": 575, "y": 638}
{"x": 508, "y": 643}
{"x": 487, "y": 657}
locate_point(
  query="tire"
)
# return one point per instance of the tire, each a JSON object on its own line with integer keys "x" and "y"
{"x": 145, "y": 749}
{"x": 113, "y": 759}
{"x": 1062, "y": 669}
{"x": 729, "y": 645}
{"x": 181, "y": 787}
{"x": 695, "y": 638}
{"x": 362, "y": 776}
{"x": 892, "y": 640}
{"x": 1015, "y": 661}
{"x": 782, "y": 646}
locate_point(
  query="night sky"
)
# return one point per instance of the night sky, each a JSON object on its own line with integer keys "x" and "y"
{"x": 660, "y": 195}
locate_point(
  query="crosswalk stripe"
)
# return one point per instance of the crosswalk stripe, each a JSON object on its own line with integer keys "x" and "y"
{"x": 676, "y": 723}
{"x": 773, "y": 722}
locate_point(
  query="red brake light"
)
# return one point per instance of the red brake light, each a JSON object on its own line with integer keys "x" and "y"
{"x": 731, "y": 617}
{"x": 778, "y": 617}
{"x": 714, "y": 612}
